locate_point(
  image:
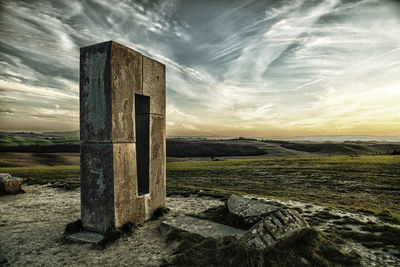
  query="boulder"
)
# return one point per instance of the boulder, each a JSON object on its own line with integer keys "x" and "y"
{"x": 280, "y": 228}
{"x": 250, "y": 210}
{"x": 9, "y": 184}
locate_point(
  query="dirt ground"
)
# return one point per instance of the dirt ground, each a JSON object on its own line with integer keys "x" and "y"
{"x": 32, "y": 226}
{"x": 377, "y": 256}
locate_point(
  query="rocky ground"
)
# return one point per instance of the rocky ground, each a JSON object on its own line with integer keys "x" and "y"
{"x": 336, "y": 222}
{"x": 32, "y": 226}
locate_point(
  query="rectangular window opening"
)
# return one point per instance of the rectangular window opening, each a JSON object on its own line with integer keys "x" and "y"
{"x": 142, "y": 124}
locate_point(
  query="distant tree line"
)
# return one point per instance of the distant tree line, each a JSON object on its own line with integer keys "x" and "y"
{"x": 175, "y": 148}
{"x": 62, "y": 148}
{"x": 178, "y": 148}
{"x": 394, "y": 152}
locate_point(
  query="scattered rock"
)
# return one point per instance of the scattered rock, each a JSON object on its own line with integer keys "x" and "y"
{"x": 250, "y": 210}
{"x": 201, "y": 227}
{"x": 278, "y": 229}
{"x": 9, "y": 184}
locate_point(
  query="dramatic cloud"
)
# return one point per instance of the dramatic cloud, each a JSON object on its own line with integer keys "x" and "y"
{"x": 249, "y": 68}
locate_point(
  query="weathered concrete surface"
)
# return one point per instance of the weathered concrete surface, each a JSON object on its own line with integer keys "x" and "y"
{"x": 126, "y": 82}
{"x": 97, "y": 187}
{"x": 278, "y": 229}
{"x": 86, "y": 237}
{"x": 95, "y": 93}
{"x": 201, "y": 227}
{"x": 118, "y": 87}
{"x": 9, "y": 184}
{"x": 111, "y": 74}
{"x": 250, "y": 210}
{"x": 157, "y": 162}
{"x": 154, "y": 84}
{"x": 127, "y": 206}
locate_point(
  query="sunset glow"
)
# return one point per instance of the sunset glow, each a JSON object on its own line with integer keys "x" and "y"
{"x": 234, "y": 68}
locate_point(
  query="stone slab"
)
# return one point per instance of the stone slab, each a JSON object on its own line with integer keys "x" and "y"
{"x": 86, "y": 237}
{"x": 278, "y": 229}
{"x": 251, "y": 210}
{"x": 201, "y": 227}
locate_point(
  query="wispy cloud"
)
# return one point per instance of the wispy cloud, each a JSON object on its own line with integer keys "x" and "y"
{"x": 238, "y": 67}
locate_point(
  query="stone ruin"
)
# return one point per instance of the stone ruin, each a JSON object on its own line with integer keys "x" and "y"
{"x": 123, "y": 138}
{"x": 269, "y": 225}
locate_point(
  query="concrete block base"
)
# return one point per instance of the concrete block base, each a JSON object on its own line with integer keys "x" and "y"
{"x": 86, "y": 237}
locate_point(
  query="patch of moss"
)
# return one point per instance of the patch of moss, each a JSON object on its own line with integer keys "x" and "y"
{"x": 347, "y": 220}
{"x": 313, "y": 220}
{"x": 377, "y": 234}
{"x": 387, "y": 216}
{"x": 387, "y": 234}
{"x": 365, "y": 211}
{"x": 344, "y": 228}
{"x": 326, "y": 215}
{"x": 299, "y": 210}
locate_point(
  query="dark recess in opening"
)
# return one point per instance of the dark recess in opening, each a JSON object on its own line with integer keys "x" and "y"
{"x": 142, "y": 122}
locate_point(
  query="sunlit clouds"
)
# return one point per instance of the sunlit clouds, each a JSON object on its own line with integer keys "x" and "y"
{"x": 234, "y": 68}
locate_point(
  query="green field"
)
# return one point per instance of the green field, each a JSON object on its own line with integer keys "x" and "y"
{"x": 370, "y": 183}
{"x": 8, "y": 141}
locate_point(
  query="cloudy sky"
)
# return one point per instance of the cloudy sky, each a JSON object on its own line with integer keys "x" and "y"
{"x": 234, "y": 68}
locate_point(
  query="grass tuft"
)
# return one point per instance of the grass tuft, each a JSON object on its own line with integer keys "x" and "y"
{"x": 312, "y": 249}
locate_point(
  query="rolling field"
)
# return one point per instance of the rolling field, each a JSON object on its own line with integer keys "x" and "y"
{"x": 351, "y": 182}
{"x": 21, "y": 141}
{"x": 363, "y": 183}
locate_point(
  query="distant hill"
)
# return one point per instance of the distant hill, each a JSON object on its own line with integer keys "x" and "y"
{"x": 44, "y": 135}
{"x": 31, "y": 135}
{"x": 340, "y": 138}
{"x": 343, "y": 148}
{"x": 53, "y": 142}
{"x": 185, "y": 148}
{"x": 70, "y": 134}
{"x": 8, "y": 142}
